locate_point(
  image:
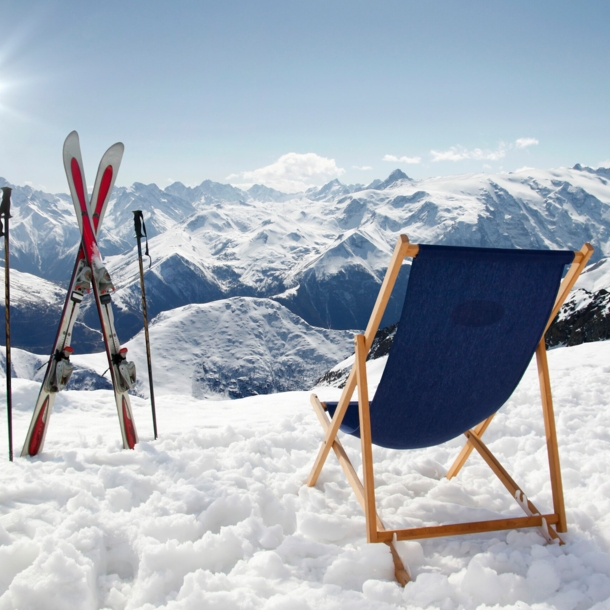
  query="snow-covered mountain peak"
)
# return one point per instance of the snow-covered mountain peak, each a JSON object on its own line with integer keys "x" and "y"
{"x": 396, "y": 176}
{"x": 260, "y": 192}
{"x": 216, "y": 241}
{"x": 600, "y": 171}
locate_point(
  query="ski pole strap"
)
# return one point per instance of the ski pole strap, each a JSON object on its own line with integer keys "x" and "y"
{"x": 140, "y": 227}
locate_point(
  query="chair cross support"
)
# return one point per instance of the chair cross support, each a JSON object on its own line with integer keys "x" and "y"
{"x": 401, "y": 573}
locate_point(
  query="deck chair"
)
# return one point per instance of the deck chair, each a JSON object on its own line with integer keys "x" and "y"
{"x": 471, "y": 321}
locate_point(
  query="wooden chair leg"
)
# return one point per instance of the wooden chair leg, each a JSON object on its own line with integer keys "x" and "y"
{"x": 330, "y": 433}
{"x": 551, "y": 435}
{"x": 400, "y": 572}
{"x": 366, "y": 439}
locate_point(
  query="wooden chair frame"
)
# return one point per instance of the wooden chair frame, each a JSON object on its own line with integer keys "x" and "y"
{"x": 549, "y": 524}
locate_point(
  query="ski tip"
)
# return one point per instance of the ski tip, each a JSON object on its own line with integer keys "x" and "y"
{"x": 73, "y": 135}
{"x": 117, "y": 151}
{"x": 112, "y": 156}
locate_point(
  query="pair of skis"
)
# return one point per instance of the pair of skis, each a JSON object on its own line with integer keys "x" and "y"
{"x": 89, "y": 272}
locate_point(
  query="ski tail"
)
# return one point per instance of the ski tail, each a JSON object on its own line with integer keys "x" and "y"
{"x": 36, "y": 439}
{"x": 130, "y": 437}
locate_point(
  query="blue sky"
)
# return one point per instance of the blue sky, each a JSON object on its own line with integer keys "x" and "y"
{"x": 296, "y": 93}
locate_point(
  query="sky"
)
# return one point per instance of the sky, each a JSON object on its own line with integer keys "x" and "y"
{"x": 295, "y": 93}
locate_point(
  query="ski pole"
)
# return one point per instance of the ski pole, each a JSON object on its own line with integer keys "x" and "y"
{"x": 5, "y": 212}
{"x": 140, "y": 227}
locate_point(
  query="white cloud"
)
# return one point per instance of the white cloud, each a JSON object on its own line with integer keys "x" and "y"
{"x": 395, "y": 159}
{"x": 292, "y": 172}
{"x": 525, "y": 142}
{"x": 459, "y": 153}
{"x": 364, "y": 168}
{"x": 38, "y": 187}
{"x": 605, "y": 163}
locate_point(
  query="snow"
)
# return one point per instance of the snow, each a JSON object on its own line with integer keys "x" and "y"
{"x": 595, "y": 277}
{"x": 231, "y": 348}
{"x": 32, "y": 291}
{"x": 215, "y": 513}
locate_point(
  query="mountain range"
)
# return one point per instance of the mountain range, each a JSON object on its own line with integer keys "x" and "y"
{"x": 319, "y": 255}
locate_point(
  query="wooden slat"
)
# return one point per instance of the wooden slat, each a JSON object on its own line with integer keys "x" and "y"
{"x": 551, "y": 435}
{"x": 474, "y": 527}
{"x": 366, "y": 440}
{"x": 403, "y": 248}
{"x": 401, "y": 573}
{"x": 515, "y": 491}
{"x": 467, "y": 449}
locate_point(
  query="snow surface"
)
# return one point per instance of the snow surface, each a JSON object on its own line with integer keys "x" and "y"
{"x": 234, "y": 348}
{"x": 595, "y": 277}
{"x": 29, "y": 290}
{"x": 215, "y": 513}
{"x": 230, "y": 348}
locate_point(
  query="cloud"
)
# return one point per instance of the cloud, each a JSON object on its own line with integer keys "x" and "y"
{"x": 459, "y": 153}
{"x": 364, "y": 168}
{"x": 395, "y": 159}
{"x": 292, "y": 172}
{"x": 525, "y": 142}
{"x": 604, "y": 164}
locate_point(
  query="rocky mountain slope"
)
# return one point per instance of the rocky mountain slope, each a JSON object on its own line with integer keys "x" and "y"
{"x": 236, "y": 347}
{"x": 585, "y": 316}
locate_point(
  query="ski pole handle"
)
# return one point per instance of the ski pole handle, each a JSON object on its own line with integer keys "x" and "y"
{"x": 5, "y": 207}
{"x": 138, "y": 219}
{"x": 140, "y": 227}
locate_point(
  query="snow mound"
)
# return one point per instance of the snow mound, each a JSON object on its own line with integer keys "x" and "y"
{"x": 29, "y": 290}
{"x": 215, "y": 514}
{"x": 232, "y": 348}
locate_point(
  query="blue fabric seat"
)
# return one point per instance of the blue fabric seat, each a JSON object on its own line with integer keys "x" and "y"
{"x": 471, "y": 321}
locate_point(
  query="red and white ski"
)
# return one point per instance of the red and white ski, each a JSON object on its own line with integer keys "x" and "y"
{"x": 59, "y": 369}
